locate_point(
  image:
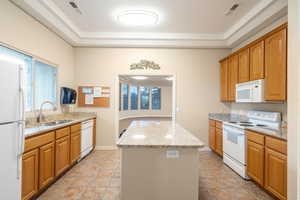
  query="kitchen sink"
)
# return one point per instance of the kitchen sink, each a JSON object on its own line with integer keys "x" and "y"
{"x": 54, "y": 123}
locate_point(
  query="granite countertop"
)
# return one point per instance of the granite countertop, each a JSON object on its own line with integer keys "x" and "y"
{"x": 76, "y": 117}
{"x": 226, "y": 117}
{"x": 158, "y": 134}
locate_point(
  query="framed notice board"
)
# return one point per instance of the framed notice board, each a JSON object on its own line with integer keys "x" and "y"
{"x": 94, "y": 96}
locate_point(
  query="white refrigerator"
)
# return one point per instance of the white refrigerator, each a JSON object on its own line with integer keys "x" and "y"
{"x": 11, "y": 128}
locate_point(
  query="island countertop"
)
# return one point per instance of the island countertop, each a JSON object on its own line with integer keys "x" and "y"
{"x": 158, "y": 134}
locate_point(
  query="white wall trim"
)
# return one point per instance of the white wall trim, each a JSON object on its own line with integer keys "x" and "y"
{"x": 106, "y": 148}
{"x": 49, "y": 14}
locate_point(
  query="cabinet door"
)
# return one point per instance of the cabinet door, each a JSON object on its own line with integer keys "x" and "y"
{"x": 276, "y": 173}
{"x": 75, "y": 146}
{"x": 219, "y": 142}
{"x": 257, "y": 61}
{"x": 233, "y": 76}
{"x": 46, "y": 174}
{"x": 244, "y": 67}
{"x": 212, "y": 137}
{"x": 276, "y": 67}
{"x": 224, "y": 80}
{"x": 255, "y": 162}
{"x": 30, "y": 174}
{"x": 62, "y": 155}
{"x": 94, "y": 133}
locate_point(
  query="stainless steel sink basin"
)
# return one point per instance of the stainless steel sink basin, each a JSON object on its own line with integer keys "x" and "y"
{"x": 56, "y": 123}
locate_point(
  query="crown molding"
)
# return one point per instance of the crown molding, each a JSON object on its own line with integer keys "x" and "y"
{"x": 49, "y": 14}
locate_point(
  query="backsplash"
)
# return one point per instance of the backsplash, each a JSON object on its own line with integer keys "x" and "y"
{"x": 242, "y": 108}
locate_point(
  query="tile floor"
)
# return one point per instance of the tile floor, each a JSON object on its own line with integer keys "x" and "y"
{"x": 98, "y": 178}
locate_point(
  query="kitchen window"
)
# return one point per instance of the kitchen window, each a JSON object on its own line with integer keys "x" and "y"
{"x": 125, "y": 91}
{"x": 145, "y": 98}
{"x": 40, "y": 79}
{"x": 134, "y": 97}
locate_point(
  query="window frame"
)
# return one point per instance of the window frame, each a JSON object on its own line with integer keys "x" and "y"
{"x": 160, "y": 99}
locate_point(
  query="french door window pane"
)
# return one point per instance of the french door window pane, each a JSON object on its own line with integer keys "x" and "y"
{"x": 134, "y": 97}
{"x": 156, "y": 98}
{"x": 125, "y": 90}
{"x": 45, "y": 84}
{"x": 145, "y": 98}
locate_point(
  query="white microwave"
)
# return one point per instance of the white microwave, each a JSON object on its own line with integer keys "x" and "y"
{"x": 250, "y": 92}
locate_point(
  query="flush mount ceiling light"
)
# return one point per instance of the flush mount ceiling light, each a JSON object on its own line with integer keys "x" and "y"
{"x": 139, "y": 77}
{"x": 138, "y": 18}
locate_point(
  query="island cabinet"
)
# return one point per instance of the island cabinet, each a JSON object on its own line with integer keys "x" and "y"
{"x": 276, "y": 66}
{"x": 257, "y": 57}
{"x": 244, "y": 67}
{"x": 267, "y": 163}
{"x": 216, "y": 136}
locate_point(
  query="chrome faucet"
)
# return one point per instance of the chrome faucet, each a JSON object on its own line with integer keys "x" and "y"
{"x": 40, "y": 116}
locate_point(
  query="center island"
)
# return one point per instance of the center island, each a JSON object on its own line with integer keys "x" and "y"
{"x": 159, "y": 161}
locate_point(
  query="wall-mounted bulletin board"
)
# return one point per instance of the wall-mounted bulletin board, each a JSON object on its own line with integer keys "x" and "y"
{"x": 93, "y": 96}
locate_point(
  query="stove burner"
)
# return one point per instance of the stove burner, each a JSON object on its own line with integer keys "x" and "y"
{"x": 246, "y": 125}
{"x": 233, "y": 122}
{"x": 245, "y": 122}
{"x": 261, "y": 125}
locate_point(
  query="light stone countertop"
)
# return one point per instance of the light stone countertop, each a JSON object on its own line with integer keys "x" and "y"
{"x": 158, "y": 134}
{"x": 226, "y": 117}
{"x": 76, "y": 117}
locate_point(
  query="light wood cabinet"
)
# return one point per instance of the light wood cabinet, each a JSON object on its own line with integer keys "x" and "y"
{"x": 257, "y": 58}
{"x": 255, "y": 162}
{"x": 30, "y": 174}
{"x": 62, "y": 155}
{"x": 233, "y": 76}
{"x": 276, "y": 173}
{"x": 212, "y": 137}
{"x": 267, "y": 163}
{"x": 224, "y": 80}
{"x": 276, "y": 66}
{"x": 75, "y": 146}
{"x": 46, "y": 163}
{"x": 244, "y": 66}
{"x": 219, "y": 141}
{"x": 94, "y": 133}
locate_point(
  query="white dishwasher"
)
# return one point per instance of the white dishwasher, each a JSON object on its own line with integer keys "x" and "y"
{"x": 86, "y": 137}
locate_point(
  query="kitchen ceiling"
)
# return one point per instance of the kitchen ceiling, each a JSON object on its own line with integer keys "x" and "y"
{"x": 182, "y": 23}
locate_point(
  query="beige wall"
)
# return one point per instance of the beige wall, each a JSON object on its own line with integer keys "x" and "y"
{"x": 196, "y": 70}
{"x": 166, "y": 106}
{"x": 23, "y": 32}
{"x": 241, "y": 108}
{"x": 293, "y": 100}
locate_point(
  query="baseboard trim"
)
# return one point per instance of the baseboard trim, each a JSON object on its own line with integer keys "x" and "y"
{"x": 106, "y": 148}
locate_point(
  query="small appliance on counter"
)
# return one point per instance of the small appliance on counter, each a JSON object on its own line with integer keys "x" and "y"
{"x": 67, "y": 96}
{"x": 234, "y": 137}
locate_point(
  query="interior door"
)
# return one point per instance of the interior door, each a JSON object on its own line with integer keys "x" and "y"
{"x": 10, "y": 173}
{"x": 10, "y": 85}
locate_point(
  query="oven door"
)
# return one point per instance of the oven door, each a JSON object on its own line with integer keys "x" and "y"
{"x": 244, "y": 92}
{"x": 234, "y": 143}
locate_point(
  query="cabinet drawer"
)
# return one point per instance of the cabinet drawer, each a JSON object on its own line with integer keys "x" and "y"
{"x": 38, "y": 141}
{"x": 219, "y": 125}
{"x": 276, "y": 145}
{"x": 212, "y": 122}
{"x": 75, "y": 128}
{"x": 256, "y": 137}
{"x": 62, "y": 132}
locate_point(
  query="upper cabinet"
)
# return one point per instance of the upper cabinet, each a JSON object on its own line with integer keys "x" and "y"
{"x": 257, "y": 61}
{"x": 276, "y": 66}
{"x": 233, "y": 76}
{"x": 224, "y": 80}
{"x": 265, "y": 58}
{"x": 244, "y": 66}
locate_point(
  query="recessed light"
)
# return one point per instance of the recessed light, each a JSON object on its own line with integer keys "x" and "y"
{"x": 138, "y": 18}
{"x": 139, "y": 77}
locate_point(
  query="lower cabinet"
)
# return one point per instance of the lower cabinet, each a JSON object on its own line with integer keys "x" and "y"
{"x": 30, "y": 164}
{"x": 255, "y": 162}
{"x": 267, "y": 163}
{"x": 276, "y": 173}
{"x": 212, "y": 137}
{"x": 62, "y": 155}
{"x": 75, "y": 146}
{"x": 219, "y": 141}
{"x": 46, "y": 169}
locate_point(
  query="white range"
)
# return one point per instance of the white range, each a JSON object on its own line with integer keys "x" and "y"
{"x": 234, "y": 137}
